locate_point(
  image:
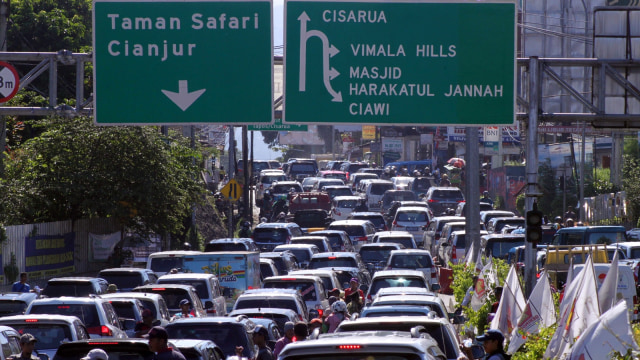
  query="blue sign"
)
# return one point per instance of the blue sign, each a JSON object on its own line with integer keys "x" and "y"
{"x": 49, "y": 253}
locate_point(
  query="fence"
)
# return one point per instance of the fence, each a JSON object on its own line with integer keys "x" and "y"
{"x": 606, "y": 209}
{"x": 42, "y": 247}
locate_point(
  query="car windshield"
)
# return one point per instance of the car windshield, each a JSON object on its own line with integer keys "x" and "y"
{"x": 400, "y": 281}
{"x": 605, "y": 238}
{"x": 306, "y": 288}
{"x": 199, "y": 285}
{"x": 266, "y": 302}
{"x": 124, "y": 280}
{"x": 226, "y": 335}
{"x": 377, "y": 254}
{"x": 85, "y": 312}
{"x": 12, "y": 307}
{"x": 303, "y": 168}
{"x": 379, "y": 189}
{"x": 500, "y": 249}
{"x": 377, "y": 221}
{"x": 332, "y": 261}
{"x": 171, "y": 296}
{"x": 124, "y": 309}
{"x": 412, "y": 216}
{"x": 451, "y": 195}
{"x": 225, "y": 247}
{"x": 268, "y": 235}
{"x": 268, "y": 179}
{"x": 405, "y": 241}
{"x": 421, "y": 184}
{"x": 49, "y": 336}
{"x": 352, "y": 230}
{"x": 301, "y": 254}
{"x": 71, "y": 288}
{"x": 405, "y": 261}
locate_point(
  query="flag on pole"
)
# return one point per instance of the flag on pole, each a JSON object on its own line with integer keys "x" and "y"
{"x": 539, "y": 312}
{"x": 511, "y": 304}
{"x": 612, "y": 332}
{"x": 468, "y": 256}
{"x": 609, "y": 289}
{"x": 579, "y": 309}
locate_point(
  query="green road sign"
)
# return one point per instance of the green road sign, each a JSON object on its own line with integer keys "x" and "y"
{"x": 277, "y": 126}
{"x": 400, "y": 62}
{"x": 182, "y": 62}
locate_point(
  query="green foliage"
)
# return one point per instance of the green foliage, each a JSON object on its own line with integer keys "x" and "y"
{"x": 77, "y": 170}
{"x": 630, "y": 183}
{"x": 520, "y": 203}
{"x": 462, "y": 279}
{"x": 11, "y": 270}
{"x": 548, "y": 185}
{"x": 536, "y": 345}
{"x": 631, "y": 147}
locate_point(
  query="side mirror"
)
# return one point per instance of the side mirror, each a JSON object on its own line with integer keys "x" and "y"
{"x": 435, "y": 287}
{"x": 208, "y": 304}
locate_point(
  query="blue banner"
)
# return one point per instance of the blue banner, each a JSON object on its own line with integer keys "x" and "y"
{"x": 52, "y": 254}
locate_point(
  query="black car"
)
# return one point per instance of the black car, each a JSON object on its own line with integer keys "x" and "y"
{"x": 116, "y": 348}
{"x": 312, "y": 218}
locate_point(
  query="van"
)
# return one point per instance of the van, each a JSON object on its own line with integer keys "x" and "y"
{"x": 162, "y": 262}
{"x": 374, "y": 190}
{"x": 560, "y": 257}
{"x": 626, "y": 285}
{"x": 585, "y": 235}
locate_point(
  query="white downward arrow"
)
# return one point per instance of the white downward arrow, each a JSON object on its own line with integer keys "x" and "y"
{"x": 183, "y": 98}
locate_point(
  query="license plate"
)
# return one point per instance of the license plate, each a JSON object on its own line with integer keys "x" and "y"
{"x": 412, "y": 228}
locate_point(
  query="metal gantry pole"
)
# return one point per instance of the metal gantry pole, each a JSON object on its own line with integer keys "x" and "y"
{"x": 472, "y": 207}
{"x": 532, "y": 171}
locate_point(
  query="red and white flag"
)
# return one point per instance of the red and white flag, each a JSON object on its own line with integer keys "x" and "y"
{"x": 612, "y": 332}
{"x": 538, "y": 313}
{"x": 512, "y": 304}
{"x": 578, "y": 310}
{"x": 607, "y": 295}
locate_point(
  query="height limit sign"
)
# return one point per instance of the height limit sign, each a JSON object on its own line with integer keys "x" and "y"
{"x": 410, "y": 62}
{"x": 9, "y": 82}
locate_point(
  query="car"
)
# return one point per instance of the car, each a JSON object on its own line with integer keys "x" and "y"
{"x": 375, "y": 255}
{"x": 207, "y": 287}
{"x": 227, "y": 332}
{"x": 498, "y": 245}
{"x": 339, "y": 239}
{"x": 15, "y": 303}
{"x": 342, "y": 206}
{"x": 329, "y": 278}
{"x": 9, "y": 342}
{"x": 311, "y": 287}
{"x": 301, "y": 168}
{"x": 584, "y": 235}
{"x": 461, "y": 210}
{"x": 269, "y": 235}
{"x": 349, "y": 167}
{"x": 375, "y": 218}
{"x": 312, "y": 219}
{"x": 399, "y": 237}
{"x": 265, "y": 179}
{"x": 390, "y": 214}
{"x": 495, "y": 225}
{"x": 50, "y": 330}
{"x": 231, "y": 244}
{"x": 303, "y": 252}
{"x": 336, "y": 259}
{"x": 338, "y": 190}
{"x": 396, "y": 278}
{"x": 285, "y": 261}
{"x": 97, "y": 314}
{"x": 282, "y": 189}
{"x": 421, "y": 184}
{"x": 275, "y": 164}
{"x": 360, "y": 231}
{"x": 414, "y": 220}
{"x": 273, "y": 331}
{"x": 365, "y": 345}
{"x": 279, "y": 315}
{"x": 116, "y": 348}
{"x": 255, "y": 167}
{"x": 438, "y": 328}
{"x": 374, "y": 190}
{"x": 440, "y": 199}
{"x": 74, "y": 286}
{"x": 487, "y": 215}
{"x": 431, "y": 235}
{"x": 355, "y": 178}
{"x": 369, "y": 170}
{"x": 396, "y": 195}
{"x": 173, "y": 294}
{"x": 151, "y": 301}
{"x": 454, "y": 249}
{"x": 321, "y": 242}
{"x": 631, "y": 249}
{"x": 308, "y": 183}
{"x": 334, "y": 164}
{"x": 267, "y": 268}
{"x": 198, "y": 349}
{"x": 324, "y": 182}
{"x": 128, "y": 278}
{"x": 312, "y": 200}
{"x": 402, "y": 183}
{"x": 273, "y": 298}
{"x": 445, "y": 235}
{"x": 395, "y": 310}
{"x": 414, "y": 259}
{"x": 129, "y": 313}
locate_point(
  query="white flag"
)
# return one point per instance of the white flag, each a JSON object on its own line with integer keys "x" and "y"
{"x": 539, "y": 312}
{"x": 479, "y": 264}
{"x": 511, "y": 304}
{"x": 468, "y": 257}
{"x": 485, "y": 277}
{"x": 611, "y": 332}
{"x": 579, "y": 309}
{"x": 609, "y": 289}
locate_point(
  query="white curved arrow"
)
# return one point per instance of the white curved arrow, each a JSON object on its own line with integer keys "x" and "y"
{"x": 183, "y": 98}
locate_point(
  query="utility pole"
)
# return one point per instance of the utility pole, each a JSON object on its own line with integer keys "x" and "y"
{"x": 472, "y": 188}
{"x": 4, "y": 18}
{"x": 247, "y": 171}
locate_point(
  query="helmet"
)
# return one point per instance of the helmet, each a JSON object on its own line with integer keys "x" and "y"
{"x": 339, "y": 306}
{"x": 263, "y": 220}
{"x": 427, "y": 169}
{"x": 485, "y": 193}
{"x": 186, "y": 246}
{"x": 246, "y": 223}
{"x": 373, "y": 165}
{"x": 416, "y": 172}
{"x": 558, "y": 219}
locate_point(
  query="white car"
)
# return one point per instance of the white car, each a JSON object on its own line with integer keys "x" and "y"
{"x": 413, "y": 219}
{"x": 342, "y": 206}
{"x": 207, "y": 287}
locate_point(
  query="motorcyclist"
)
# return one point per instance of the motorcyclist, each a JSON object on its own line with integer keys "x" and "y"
{"x": 245, "y": 230}
{"x": 186, "y": 246}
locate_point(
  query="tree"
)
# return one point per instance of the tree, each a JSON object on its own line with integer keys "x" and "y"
{"x": 630, "y": 184}
{"x": 75, "y": 170}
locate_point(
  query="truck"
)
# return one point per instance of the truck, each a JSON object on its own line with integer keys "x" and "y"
{"x": 237, "y": 271}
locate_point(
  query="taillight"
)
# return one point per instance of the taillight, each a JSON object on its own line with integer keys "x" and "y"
{"x": 211, "y": 311}
{"x": 434, "y": 273}
{"x": 362, "y": 238}
{"x": 320, "y": 312}
{"x": 338, "y": 213}
{"x": 31, "y": 320}
{"x": 432, "y": 201}
{"x": 100, "y": 330}
{"x": 349, "y": 347}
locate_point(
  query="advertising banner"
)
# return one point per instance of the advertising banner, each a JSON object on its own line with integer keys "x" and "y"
{"x": 47, "y": 255}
